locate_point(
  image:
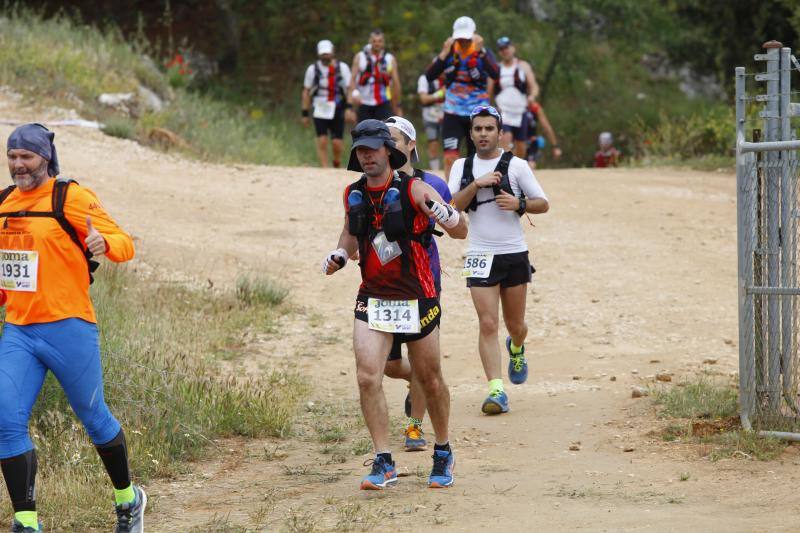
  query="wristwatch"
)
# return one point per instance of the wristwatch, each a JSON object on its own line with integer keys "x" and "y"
{"x": 522, "y": 205}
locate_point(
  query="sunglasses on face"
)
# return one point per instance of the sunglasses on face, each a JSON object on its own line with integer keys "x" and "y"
{"x": 483, "y": 109}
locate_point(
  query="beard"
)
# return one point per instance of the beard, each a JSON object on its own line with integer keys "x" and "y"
{"x": 27, "y": 181}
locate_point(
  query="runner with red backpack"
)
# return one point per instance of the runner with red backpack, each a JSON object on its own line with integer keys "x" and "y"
{"x": 467, "y": 68}
{"x": 324, "y": 99}
{"x": 375, "y": 81}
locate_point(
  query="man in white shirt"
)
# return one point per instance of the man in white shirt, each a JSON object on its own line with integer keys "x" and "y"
{"x": 375, "y": 83}
{"x": 324, "y": 98}
{"x": 431, "y": 96}
{"x": 496, "y": 189}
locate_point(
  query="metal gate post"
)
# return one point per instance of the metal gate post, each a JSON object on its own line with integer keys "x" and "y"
{"x": 744, "y": 225}
{"x": 771, "y": 127}
{"x": 787, "y": 233}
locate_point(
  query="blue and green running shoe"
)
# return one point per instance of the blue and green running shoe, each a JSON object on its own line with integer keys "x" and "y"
{"x": 130, "y": 516}
{"x": 442, "y": 472}
{"x": 517, "y": 365}
{"x": 495, "y": 403}
{"x": 383, "y": 474}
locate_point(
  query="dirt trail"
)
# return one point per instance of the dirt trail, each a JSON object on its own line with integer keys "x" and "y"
{"x": 634, "y": 266}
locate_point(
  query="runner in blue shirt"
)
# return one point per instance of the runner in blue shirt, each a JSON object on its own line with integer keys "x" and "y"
{"x": 467, "y": 67}
{"x": 397, "y": 366}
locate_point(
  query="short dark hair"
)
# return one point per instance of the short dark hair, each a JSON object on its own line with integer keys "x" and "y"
{"x": 376, "y": 32}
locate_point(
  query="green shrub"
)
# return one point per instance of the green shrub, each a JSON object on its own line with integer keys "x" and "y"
{"x": 119, "y": 127}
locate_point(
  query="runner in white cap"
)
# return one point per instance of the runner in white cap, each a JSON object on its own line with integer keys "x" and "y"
{"x": 467, "y": 67}
{"x": 324, "y": 98}
{"x": 405, "y": 138}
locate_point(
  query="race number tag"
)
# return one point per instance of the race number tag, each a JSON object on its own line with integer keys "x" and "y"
{"x": 324, "y": 110}
{"x": 18, "y": 270}
{"x": 477, "y": 265}
{"x": 393, "y": 316}
{"x": 386, "y": 249}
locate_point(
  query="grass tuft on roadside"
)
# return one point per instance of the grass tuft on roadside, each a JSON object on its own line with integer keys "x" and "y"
{"x": 704, "y": 412}
{"x": 161, "y": 381}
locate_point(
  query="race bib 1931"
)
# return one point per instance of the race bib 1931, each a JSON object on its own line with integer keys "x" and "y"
{"x": 393, "y": 316}
{"x": 19, "y": 270}
{"x": 324, "y": 110}
{"x": 477, "y": 265}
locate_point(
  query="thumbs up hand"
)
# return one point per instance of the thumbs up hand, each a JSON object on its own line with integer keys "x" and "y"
{"x": 94, "y": 241}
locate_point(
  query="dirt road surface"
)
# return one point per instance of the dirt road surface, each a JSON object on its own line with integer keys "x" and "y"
{"x": 636, "y": 275}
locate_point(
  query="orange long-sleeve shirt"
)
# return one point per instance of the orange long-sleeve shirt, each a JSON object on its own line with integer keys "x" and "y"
{"x": 62, "y": 277}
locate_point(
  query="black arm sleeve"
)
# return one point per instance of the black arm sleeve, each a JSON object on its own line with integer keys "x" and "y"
{"x": 490, "y": 64}
{"x": 435, "y": 69}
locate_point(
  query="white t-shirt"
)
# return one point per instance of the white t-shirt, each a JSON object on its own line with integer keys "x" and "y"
{"x": 430, "y": 113}
{"x": 492, "y": 229}
{"x": 368, "y": 90}
{"x": 322, "y": 91}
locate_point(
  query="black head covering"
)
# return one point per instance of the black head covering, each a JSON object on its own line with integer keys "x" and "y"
{"x": 373, "y": 134}
{"x": 37, "y": 139}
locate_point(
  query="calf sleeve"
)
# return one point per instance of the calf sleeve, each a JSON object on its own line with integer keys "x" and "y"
{"x": 114, "y": 455}
{"x": 20, "y": 475}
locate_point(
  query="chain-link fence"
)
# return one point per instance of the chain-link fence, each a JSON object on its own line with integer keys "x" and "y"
{"x": 767, "y": 171}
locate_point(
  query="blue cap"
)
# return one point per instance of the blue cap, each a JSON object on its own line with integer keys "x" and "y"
{"x": 503, "y": 42}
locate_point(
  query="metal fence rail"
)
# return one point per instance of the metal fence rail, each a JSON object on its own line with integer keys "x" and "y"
{"x": 767, "y": 171}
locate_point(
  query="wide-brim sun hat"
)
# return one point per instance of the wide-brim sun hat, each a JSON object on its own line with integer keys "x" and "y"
{"x": 373, "y": 134}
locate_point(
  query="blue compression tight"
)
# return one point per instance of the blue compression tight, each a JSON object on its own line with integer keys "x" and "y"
{"x": 70, "y": 349}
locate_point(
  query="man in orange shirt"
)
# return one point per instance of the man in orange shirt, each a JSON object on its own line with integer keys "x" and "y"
{"x": 50, "y": 228}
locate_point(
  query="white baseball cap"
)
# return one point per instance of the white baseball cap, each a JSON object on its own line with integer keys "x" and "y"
{"x": 324, "y": 47}
{"x": 406, "y": 127}
{"x": 605, "y": 138}
{"x": 463, "y": 28}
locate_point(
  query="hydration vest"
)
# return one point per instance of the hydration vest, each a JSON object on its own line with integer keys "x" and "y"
{"x": 338, "y": 90}
{"x": 505, "y": 185}
{"x": 451, "y": 72}
{"x": 400, "y": 231}
{"x": 383, "y": 78}
{"x": 520, "y": 83}
{"x": 58, "y": 199}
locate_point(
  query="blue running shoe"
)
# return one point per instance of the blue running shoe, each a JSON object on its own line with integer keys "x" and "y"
{"x": 517, "y": 365}
{"x": 17, "y": 527}
{"x": 130, "y": 516}
{"x": 442, "y": 473}
{"x": 495, "y": 403}
{"x": 383, "y": 474}
{"x": 415, "y": 442}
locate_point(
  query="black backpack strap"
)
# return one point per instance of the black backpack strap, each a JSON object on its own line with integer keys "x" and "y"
{"x": 5, "y": 192}
{"x": 502, "y": 168}
{"x": 468, "y": 177}
{"x": 58, "y": 200}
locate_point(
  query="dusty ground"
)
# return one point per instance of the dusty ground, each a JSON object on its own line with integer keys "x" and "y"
{"x": 634, "y": 266}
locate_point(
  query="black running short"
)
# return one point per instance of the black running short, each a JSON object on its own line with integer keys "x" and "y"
{"x": 378, "y": 112}
{"x": 430, "y": 312}
{"x": 335, "y": 125}
{"x": 509, "y": 270}
{"x": 455, "y": 128}
{"x": 518, "y": 133}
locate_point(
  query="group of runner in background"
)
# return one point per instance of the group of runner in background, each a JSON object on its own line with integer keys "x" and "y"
{"x": 464, "y": 74}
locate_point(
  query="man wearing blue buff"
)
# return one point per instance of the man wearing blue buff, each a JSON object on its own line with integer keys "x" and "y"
{"x": 51, "y": 228}
{"x": 467, "y": 67}
{"x": 387, "y": 221}
{"x": 496, "y": 189}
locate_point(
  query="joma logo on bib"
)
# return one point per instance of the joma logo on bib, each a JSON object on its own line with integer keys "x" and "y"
{"x": 392, "y": 303}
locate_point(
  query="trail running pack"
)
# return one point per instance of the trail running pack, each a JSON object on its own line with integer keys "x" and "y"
{"x": 505, "y": 185}
{"x": 338, "y": 91}
{"x": 58, "y": 199}
{"x": 383, "y": 77}
{"x": 474, "y": 67}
